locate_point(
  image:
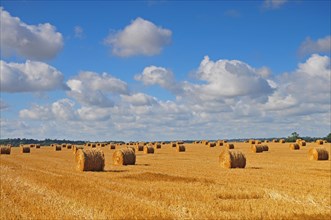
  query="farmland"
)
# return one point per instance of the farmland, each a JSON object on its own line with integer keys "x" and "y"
{"x": 276, "y": 184}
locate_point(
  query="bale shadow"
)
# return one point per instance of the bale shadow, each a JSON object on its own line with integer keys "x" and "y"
{"x": 255, "y": 168}
{"x": 116, "y": 171}
{"x": 143, "y": 164}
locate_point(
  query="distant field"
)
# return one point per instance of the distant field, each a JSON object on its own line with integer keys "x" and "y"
{"x": 278, "y": 184}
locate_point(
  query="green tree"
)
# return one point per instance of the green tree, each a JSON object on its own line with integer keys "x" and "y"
{"x": 294, "y": 136}
{"x": 328, "y": 138}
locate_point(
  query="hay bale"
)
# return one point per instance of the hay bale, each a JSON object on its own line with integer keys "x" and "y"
{"x": 294, "y": 146}
{"x": 64, "y": 145}
{"x": 180, "y": 142}
{"x": 25, "y": 149}
{"x": 93, "y": 145}
{"x": 58, "y": 148}
{"x": 173, "y": 144}
{"x": 212, "y": 144}
{"x": 266, "y": 141}
{"x": 251, "y": 141}
{"x": 69, "y": 146}
{"x": 302, "y": 143}
{"x": 229, "y": 146}
{"x": 148, "y": 149}
{"x": 157, "y": 146}
{"x": 112, "y": 146}
{"x": 124, "y": 156}
{"x": 180, "y": 148}
{"x": 37, "y": 145}
{"x": 76, "y": 148}
{"x": 318, "y": 153}
{"x": 265, "y": 147}
{"x": 232, "y": 159}
{"x": 274, "y": 141}
{"x": 282, "y": 141}
{"x": 140, "y": 147}
{"x": 90, "y": 160}
{"x": 53, "y": 145}
{"x": 257, "y": 148}
{"x": 258, "y": 142}
{"x": 5, "y": 149}
{"x": 319, "y": 142}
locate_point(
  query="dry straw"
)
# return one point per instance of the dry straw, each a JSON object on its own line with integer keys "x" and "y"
{"x": 25, "y": 149}
{"x": 173, "y": 144}
{"x": 5, "y": 150}
{"x": 180, "y": 148}
{"x": 125, "y": 156}
{"x": 69, "y": 146}
{"x": 294, "y": 146}
{"x": 282, "y": 141}
{"x": 301, "y": 142}
{"x": 229, "y": 146}
{"x": 132, "y": 148}
{"x": 57, "y": 147}
{"x": 266, "y": 141}
{"x": 251, "y": 141}
{"x": 232, "y": 159}
{"x": 90, "y": 160}
{"x": 318, "y": 153}
{"x": 148, "y": 149}
{"x": 37, "y": 145}
{"x": 257, "y": 148}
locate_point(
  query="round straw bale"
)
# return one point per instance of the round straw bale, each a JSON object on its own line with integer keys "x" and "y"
{"x": 112, "y": 146}
{"x": 69, "y": 146}
{"x": 294, "y": 146}
{"x": 64, "y": 145}
{"x": 37, "y": 145}
{"x": 180, "y": 142}
{"x": 302, "y": 143}
{"x": 212, "y": 144}
{"x": 148, "y": 149}
{"x": 265, "y": 147}
{"x": 140, "y": 147}
{"x": 266, "y": 141}
{"x": 5, "y": 150}
{"x": 257, "y": 142}
{"x": 274, "y": 141}
{"x": 319, "y": 142}
{"x": 157, "y": 146}
{"x": 93, "y": 145}
{"x": 318, "y": 153}
{"x": 257, "y": 148}
{"x": 180, "y": 148}
{"x": 232, "y": 159}
{"x": 76, "y": 148}
{"x": 173, "y": 144}
{"x": 125, "y": 156}
{"x": 282, "y": 141}
{"x": 229, "y": 146}
{"x": 251, "y": 141}
{"x": 58, "y": 148}
{"x": 90, "y": 160}
{"x": 53, "y": 145}
{"x": 25, "y": 149}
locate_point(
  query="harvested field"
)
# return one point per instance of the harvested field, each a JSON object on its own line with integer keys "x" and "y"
{"x": 279, "y": 184}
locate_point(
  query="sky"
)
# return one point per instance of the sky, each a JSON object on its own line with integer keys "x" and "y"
{"x": 165, "y": 70}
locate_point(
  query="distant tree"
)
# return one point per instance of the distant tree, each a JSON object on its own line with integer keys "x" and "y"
{"x": 294, "y": 136}
{"x": 328, "y": 138}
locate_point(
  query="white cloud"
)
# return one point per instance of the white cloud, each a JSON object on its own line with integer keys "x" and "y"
{"x": 91, "y": 88}
{"x": 139, "y": 99}
{"x": 141, "y": 37}
{"x": 93, "y": 113}
{"x": 39, "y": 42}
{"x": 30, "y": 76}
{"x": 320, "y": 45}
{"x": 227, "y": 78}
{"x": 274, "y": 4}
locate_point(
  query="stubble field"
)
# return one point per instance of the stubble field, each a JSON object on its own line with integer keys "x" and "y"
{"x": 277, "y": 184}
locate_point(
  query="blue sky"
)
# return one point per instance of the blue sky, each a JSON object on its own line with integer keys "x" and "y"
{"x": 164, "y": 70}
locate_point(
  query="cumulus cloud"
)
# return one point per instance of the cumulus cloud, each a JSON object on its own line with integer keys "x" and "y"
{"x": 274, "y": 4}
{"x": 141, "y": 37}
{"x": 139, "y": 99}
{"x": 91, "y": 88}
{"x": 94, "y": 113}
{"x": 310, "y": 46}
{"x": 163, "y": 77}
{"x": 37, "y": 42}
{"x": 31, "y": 76}
{"x": 227, "y": 78}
